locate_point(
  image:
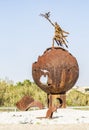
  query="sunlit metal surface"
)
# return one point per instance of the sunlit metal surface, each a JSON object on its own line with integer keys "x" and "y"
{"x": 56, "y": 71}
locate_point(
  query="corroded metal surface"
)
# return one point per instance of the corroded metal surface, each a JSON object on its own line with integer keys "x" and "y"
{"x": 36, "y": 104}
{"x": 56, "y": 100}
{"x": 27, "y": 102}
{"x": 59, "y": 35}
{"x": 56, "y": 71}
{"x": 50, "y": 111}
{"x": 24, "y": 102}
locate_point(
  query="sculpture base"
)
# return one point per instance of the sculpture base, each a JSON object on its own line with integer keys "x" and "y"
{"x": 58, "y": 100}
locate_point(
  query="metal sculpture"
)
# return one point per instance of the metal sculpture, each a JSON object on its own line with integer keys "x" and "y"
{"x": 59, "y": 35}
{"x": 60, "y": 69}
{"x": 55, "y": 72}
{"x": 27, "y": 102}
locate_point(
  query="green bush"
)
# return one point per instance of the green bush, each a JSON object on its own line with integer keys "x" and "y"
{"x": 10, "y": 94}
{"x": 77, "y": 98}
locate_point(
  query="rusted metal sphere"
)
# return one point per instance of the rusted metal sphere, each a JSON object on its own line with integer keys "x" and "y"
{"x": 56, "y": 71}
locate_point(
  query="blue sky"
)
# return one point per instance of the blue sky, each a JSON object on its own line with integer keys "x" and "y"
{"x": 24, "y": 35}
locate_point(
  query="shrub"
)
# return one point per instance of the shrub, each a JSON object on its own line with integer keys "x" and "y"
{"x": 77, "y": 98}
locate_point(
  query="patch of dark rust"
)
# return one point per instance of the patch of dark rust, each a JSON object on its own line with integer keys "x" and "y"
{"x": 59, "y": 66}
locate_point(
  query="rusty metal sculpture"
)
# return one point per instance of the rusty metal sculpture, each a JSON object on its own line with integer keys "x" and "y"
{"x": 60, "y": 71}
{"x": 60, "y": 68}
{"x": 27, "y": 102}
{"x": 50, "y": 111}
{"x": 56, "y": 71}
{"x": 59, "y": 36}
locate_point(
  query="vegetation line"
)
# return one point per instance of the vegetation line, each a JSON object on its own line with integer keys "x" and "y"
{"x": 10, "y": 94}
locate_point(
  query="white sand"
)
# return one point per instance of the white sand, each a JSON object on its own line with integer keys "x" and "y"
{"x": 62, "y": 116}
{"x": 32, "y": 120}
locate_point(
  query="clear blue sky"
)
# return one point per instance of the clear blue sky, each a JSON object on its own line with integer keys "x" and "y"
{"x": 24, "y": 35}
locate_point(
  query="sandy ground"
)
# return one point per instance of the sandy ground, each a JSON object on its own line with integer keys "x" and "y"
{"x": 44, "y": 127}
{"x": 63, "y": 119}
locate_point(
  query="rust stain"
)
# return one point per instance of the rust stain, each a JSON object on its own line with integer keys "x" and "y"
{"x": 56, "y": 71}
{"x": 27, "y": 102}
